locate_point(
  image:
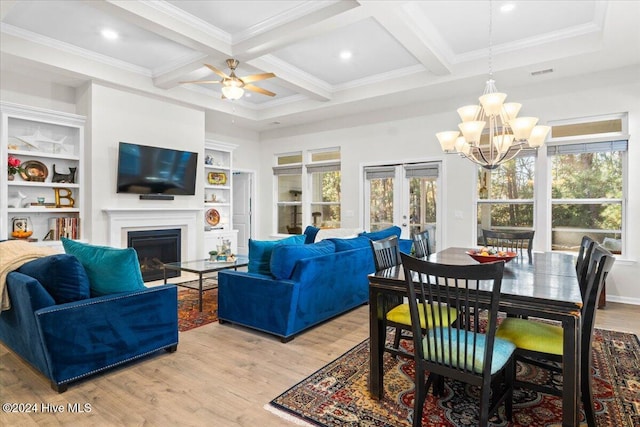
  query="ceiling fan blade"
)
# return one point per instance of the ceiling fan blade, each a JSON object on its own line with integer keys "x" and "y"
{"x": 201, "y": 81}
{"x": 257, "y": 77}
{"x": 259, "y": 90}
{"x": 215, "y": 70}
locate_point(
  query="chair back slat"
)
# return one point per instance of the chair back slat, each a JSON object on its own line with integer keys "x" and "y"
{"x": 386, "y": 252}
{"x": 421, "y": 244}
{"x": 470, "y": 289}
{"x": 582, "y": 262}
{"x": 511, "y": 241}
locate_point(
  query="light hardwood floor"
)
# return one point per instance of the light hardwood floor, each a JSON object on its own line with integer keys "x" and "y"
{"x": 221, "y": 375}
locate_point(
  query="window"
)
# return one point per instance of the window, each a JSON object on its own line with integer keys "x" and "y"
{"x": 319, "y": 204}
{"x": 580, "y": 188}
{"x": 288, "y": 174}
{"x": 587, "y": 193}
{"x": 506, "y": 196}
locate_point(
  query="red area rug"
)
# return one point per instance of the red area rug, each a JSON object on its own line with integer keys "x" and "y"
{"x": 189, "y": 316}
{"x": 337, "y": 395}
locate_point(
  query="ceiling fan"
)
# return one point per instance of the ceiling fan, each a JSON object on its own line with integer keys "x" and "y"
{"x": 233, "y": 86}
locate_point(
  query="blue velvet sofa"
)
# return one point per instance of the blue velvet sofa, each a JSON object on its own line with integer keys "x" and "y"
{"x": 67, "y": 341}
{"x": 308, "y": 284}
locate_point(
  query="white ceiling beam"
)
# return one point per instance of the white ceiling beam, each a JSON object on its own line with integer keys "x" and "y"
{"x": 173, "y": 78}
{"x": 168, "y": 21}
{"x": 80, "y": 66}
{"x": 5, "y": 7}
{"x": 320, "y": 22}
{"x": 294, "y": 79}
{"x": 403, "y": 27}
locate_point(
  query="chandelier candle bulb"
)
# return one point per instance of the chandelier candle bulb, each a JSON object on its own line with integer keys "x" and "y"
{"x": 492, "y": 103}
{"x": 522, "y": 127}
{"x": 447, "y": 139}
{"x": 472, "y": 131}
{"x": 538, "y": 135}
{"x": 469, "y": 113}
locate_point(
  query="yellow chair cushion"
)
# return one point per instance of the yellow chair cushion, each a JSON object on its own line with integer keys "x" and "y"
{"x": 400, "y": 314}
{"x": 532, "y": 335}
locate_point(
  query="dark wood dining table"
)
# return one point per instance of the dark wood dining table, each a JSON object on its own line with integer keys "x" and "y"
{"x": 545, "y": 287}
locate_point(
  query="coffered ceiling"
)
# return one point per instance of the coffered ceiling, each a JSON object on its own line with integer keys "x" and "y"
{"x": 400, "y": 51}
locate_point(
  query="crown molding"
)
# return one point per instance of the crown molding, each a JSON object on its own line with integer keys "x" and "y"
{"x": 75, "y": 50}
{"x": 193, "y": 21}
{"x": 273, "y": 22}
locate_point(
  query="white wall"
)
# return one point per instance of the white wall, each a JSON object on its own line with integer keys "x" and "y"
{"x": 117, "y": 115}
{"x": 413, "y": 139}
{"x": 20, "y": 88}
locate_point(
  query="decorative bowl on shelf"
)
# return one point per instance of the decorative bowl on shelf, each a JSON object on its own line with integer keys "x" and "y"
{"x": 492, "y": 255}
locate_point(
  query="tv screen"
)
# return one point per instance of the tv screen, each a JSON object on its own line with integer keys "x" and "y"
{"x": 153, "y": 170}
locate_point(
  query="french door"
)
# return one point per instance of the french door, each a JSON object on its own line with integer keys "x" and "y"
{"x": 405, "y": 195}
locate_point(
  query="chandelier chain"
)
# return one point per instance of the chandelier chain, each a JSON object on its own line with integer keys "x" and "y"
{"x": 490, "y": 40}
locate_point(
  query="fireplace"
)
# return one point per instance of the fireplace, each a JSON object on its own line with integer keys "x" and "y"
{"x": 154, "y": 248}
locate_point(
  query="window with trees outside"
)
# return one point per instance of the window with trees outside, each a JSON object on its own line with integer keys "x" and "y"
{"x": 288, "y": 180}
{"x": 506, "y": 195}
{"x": 307, "y": 199}
{"x": 581, "y": 189}
{"x": 587, "y": 194}
{"x": 324, "y": 179}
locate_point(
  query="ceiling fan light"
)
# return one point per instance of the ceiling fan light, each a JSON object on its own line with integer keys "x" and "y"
{"x": 472, "y": 131}
{"x": 468, "y": 112}
{"x": 447, "y": 139}
{"x": 538, "y": 135}
{"x": 232, "y": 92}
{"x": 492, "y": 102}
{"x": 522, "y": 127}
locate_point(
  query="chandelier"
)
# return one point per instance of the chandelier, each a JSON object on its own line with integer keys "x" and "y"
{"x": 505, "y": 135}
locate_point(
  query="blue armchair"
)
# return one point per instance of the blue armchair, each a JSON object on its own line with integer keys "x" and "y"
{"x": 73, "y": 340}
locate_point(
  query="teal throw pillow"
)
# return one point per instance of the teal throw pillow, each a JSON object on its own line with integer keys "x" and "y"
{"x": 110, "y": 270}
{"x": 62, "y": 275}
{"x": 284, "y": 257}
{"x": 383, "y": 234}
{"x": 353, "y": 243}
{"x": 260, "y": 252}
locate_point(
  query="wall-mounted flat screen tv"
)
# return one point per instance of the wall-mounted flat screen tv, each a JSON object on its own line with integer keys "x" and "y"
{"x": 153, "y": 170}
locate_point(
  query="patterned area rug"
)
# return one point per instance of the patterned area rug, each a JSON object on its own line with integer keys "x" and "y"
{"x": 189, "y": 316}
{"x": 337, "y": 394}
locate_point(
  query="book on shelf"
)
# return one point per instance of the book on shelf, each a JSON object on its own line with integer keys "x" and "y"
{"x": 68, "y": 227}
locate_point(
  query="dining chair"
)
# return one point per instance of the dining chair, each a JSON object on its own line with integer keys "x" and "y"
{"x": 512, "y": 241}
{"x": 463, "y": 352}
{"x": 386, "y": 254}
{"x": 537, "y": 342}
{"x": 421, "y": 244}
{"x": 582, "y": 261}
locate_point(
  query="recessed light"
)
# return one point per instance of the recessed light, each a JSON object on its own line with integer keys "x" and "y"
{"x": 109, "y": 34}
{"x": 346, "y": 54}
{"x": 507, "y": 7}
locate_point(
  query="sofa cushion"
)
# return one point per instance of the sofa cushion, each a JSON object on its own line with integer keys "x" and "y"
{"x": 383, "y": 234}
{"x": 260, "y": 252}
{"x": 110, "y": 270}
{"x": 353, "y": 243}
{"x": 62, "y": 275}
{"x": 310, "y": 232}
{"x": 284, "y": 257}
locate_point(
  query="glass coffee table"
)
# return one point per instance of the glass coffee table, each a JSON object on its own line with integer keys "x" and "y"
{"x": 202, "y": 267}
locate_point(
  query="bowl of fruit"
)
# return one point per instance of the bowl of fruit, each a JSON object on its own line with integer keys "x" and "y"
{"x": 21, "y": 234}
{"x": 485, "y": 254}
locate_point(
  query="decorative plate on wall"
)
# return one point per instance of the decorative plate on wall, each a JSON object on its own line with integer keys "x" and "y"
{"x": 217, "y": 178}
{"x": 213, "y": 217}
{"x": 34, "y": 170}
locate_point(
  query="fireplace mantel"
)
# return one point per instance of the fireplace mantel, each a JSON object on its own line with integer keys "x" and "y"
{"x": 123, "y": 220}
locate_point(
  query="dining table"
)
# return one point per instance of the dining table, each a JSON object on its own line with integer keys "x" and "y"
{"x": 545, "y": 287}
